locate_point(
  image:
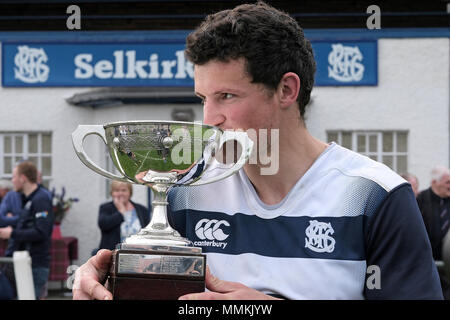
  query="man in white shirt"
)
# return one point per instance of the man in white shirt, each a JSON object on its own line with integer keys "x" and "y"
{"x": 317, "y": 227}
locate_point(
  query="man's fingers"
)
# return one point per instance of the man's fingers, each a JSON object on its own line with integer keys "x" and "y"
{"x": 89, "y": 287}
{"x": 94, "y": 290}
{"x": 79, "y": 294}
{"x": 218, "y": 289}
{"x": 88, "y": 277}
{"x": 102, "y": 260}
{"x": 217, "y": 285}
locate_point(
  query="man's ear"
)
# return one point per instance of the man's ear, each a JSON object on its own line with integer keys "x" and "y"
{"x": 289, "y": 89}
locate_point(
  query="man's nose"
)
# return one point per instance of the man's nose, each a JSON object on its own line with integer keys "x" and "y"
{"x": 211, "y": 115}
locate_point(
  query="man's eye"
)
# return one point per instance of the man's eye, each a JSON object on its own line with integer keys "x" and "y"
{"x": 228, "y": 95}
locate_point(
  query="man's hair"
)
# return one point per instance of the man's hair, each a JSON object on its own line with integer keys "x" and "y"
{"x": 271, "y": 42}
{"x": 438, "y": 172}
{"x": 29, "y": 170}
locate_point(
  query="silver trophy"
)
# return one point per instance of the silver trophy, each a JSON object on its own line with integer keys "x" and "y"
{"x": 157, "y": 263}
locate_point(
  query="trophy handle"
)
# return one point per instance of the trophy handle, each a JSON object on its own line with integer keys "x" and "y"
{"x": 78, "y": 137}
{"x": 247, "y": 147}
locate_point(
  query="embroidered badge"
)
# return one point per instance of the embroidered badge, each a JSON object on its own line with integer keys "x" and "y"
{"x": 318, "y": 237}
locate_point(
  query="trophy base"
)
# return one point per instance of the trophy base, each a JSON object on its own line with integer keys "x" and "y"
{"x": 127, "y": 288}
{"x": 155, "y": 272}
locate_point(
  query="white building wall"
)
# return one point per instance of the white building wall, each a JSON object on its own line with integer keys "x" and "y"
{"x": 412, "y": 94}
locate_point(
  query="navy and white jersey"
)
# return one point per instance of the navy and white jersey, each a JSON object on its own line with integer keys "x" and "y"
{"x": 346, "y": 214}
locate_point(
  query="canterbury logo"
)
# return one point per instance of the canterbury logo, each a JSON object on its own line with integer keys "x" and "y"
{"x": 210, "y": 229}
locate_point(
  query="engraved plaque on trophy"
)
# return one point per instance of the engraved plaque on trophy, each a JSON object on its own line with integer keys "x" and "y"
{"x": 157, "y": 263}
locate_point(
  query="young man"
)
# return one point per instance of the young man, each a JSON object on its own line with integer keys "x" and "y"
{"x": 318, "y": 227}
{"x": 34, "y": 226}
{"x": 11, "y": 205}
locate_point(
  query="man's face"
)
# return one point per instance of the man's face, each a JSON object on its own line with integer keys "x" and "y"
{"x": 443, "y": 186}
{"x": 17, "y": 180}
{"x": 230, "y": 100}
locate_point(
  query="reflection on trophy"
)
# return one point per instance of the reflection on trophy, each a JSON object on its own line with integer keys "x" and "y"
{"x": 157, "y": 263}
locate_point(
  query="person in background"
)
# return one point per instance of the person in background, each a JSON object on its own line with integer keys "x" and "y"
{"x": 120, "y": 217}
{"x": 34, "y": 226}
{"x": 5, "y": 187}
{"x": 412, "y": 179}
{"x": 435, "y": 207}
{"x": 11, "y": 205}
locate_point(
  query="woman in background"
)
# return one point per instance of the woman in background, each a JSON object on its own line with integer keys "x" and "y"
{"x": 121, "y": 217}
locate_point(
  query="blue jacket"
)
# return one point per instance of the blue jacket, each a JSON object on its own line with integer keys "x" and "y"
{"x": 11, "y": 203}
{"x": 110, "y": 219}
{"x": 34, "y": 229}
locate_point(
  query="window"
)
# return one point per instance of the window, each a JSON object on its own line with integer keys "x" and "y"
{"x": 388, "y": 147}
{"x": 33, "y": 146}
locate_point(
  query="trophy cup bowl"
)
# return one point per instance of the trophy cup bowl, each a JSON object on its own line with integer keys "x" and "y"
{"x": 157, "y": 263}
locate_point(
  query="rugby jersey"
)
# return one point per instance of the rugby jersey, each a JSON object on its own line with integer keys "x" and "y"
{"x": 347, "y": 222}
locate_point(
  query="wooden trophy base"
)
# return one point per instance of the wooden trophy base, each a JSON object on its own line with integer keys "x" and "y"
{"x": 155, "y": 274}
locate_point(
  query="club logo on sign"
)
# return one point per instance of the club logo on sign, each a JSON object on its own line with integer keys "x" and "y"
{"x": 345, "y": 63}
{"x": 30, "y": 65}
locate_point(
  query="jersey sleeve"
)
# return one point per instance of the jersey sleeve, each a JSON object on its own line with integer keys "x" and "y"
{"x": 397, "y": 244}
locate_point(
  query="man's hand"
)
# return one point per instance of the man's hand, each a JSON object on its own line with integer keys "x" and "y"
{"x": 87, "y": 284}
{"x": 5, "y": 233}
{"x": 226, "y": 290}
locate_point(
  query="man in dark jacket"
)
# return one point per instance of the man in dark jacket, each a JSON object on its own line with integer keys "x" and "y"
{"x": 34, "y": 227}
{"x": 435, "y": 207}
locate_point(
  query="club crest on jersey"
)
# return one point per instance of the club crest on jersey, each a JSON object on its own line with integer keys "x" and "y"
{"x": 318, "y": 237}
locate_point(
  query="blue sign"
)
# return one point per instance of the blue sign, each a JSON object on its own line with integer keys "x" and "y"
{"x": 160, "y": 64}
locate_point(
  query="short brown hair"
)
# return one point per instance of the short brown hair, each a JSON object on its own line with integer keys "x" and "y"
{"x": 29, "y": 170}
{"x": 116, "y": 184}
{"x": 270, "y": 40}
